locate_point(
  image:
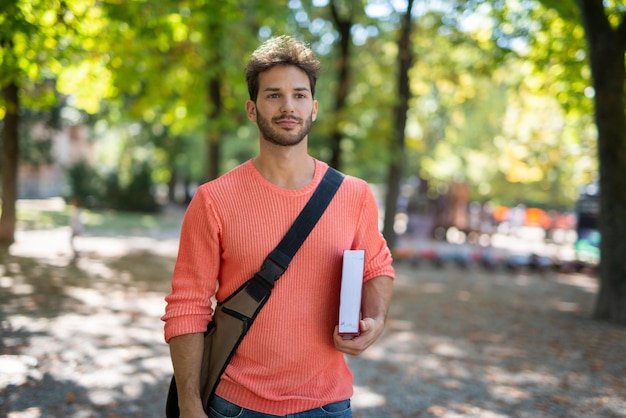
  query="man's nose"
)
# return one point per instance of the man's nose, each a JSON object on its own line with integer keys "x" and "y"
{"x": 287, "y": 105}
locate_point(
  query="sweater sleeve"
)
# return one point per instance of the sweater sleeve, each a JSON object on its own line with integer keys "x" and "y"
{"x": 378, "y": 260}
{"x": 189, "y": 307}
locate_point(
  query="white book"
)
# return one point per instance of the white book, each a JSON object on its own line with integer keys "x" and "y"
{"x": 351, "y": 289}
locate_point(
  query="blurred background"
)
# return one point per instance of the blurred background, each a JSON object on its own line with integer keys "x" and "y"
{"x": 473, "y": 121}
{"x": 458, "y": 111}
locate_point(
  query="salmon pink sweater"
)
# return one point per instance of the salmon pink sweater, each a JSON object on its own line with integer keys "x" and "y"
{"x": 287, "y": 362}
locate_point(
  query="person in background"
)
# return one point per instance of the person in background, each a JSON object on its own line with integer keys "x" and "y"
{"x": 292, "y": 361}
{"x": 76, "y": 227}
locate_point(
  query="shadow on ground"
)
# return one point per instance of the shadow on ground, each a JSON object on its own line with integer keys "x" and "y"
{"x": 84, "y": 339}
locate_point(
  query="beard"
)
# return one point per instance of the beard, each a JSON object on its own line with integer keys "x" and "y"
{"x": 283, "y": 138}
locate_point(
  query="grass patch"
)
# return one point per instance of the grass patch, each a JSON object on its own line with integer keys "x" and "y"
{"x": 46, "y": 214}
{"x": 31, "y": 218}
{"x": 127, "y": 222}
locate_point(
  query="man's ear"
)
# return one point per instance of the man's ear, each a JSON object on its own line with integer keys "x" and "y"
{"x": 251, "y": 110}
{"x": 314, "y": 112}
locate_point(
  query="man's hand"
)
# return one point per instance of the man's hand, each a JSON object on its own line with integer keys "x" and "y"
{"x": 375, "y": 304}
{"x": 370, "y": 330}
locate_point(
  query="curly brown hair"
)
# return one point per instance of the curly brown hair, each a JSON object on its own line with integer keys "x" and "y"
{"x": 281, "y": 50}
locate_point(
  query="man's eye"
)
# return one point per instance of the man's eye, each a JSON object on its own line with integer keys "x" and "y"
{"x": 273, "y": 96}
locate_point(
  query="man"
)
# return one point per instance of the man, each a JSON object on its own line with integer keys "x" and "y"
{"x": 291, "y": 361}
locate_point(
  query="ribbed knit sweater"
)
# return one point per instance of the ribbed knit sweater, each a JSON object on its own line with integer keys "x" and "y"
{"x": 287, "y": 362}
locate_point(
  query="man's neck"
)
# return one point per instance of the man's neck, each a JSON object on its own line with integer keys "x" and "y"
{"x": 289, "y": 170}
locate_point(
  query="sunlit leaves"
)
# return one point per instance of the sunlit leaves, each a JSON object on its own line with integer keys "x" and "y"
{"x": 558, "y": 54}
{"x": 88, "y": 83}
{"x": 55, "y": 41}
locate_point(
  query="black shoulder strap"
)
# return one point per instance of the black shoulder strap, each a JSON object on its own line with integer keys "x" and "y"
{"x": 277, "y": 261}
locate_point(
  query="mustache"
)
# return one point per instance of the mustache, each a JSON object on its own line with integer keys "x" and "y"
{"x": 282, "y": 118}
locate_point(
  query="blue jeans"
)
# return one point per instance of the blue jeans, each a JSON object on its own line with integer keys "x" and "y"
{"x": 221, "y": 408}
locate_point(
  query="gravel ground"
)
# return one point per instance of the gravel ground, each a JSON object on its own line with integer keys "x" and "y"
{"x": 84, "y": 339}
{"x": 492, "y": 344}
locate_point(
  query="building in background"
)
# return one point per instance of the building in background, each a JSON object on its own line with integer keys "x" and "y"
{"x": 68, "y": 146}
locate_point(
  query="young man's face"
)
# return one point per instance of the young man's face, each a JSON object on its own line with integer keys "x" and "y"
{"x": 284, "y": 109}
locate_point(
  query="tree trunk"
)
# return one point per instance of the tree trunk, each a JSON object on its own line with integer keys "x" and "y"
{"x": 214, "y": 98}
{"x": 397, "y": 164}
{"x": 214, "y": 148}
{"x": 606, "y": 50}
{"x": 9, "y": 165}
{"x": 343, "y": 81}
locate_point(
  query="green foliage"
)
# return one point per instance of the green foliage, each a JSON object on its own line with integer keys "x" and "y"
{"x": 136, "y": 195}
{"x": 502, "y": 91}
{"x": 86, "y": 185}
{"x": 97, "y": 190}
{"x": 501, "y": 103}
{"x": 46, "y": 41}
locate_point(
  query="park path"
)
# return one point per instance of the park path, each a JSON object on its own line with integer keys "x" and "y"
{"x": 84, "y": 339}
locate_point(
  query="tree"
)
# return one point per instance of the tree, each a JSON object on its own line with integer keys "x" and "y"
{"x": 10, "y": 156}
{"x": 36, "y": 44}
{"x": 554, "y": 42}
{"x": 10, "y": 135}
{"x": 605, "y": 30}
{"x": 343, "y": 23}
{"x": 178, "y": 66}
{"x": 397, "y": 143}
{"x": 214, "y": 37}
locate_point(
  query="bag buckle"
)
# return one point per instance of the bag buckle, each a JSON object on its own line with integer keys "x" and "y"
{"x": 270, "y": 272}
